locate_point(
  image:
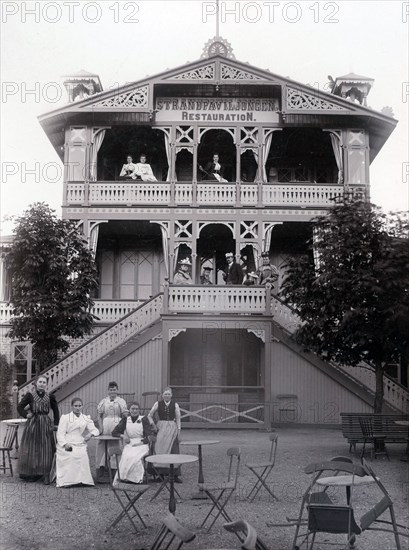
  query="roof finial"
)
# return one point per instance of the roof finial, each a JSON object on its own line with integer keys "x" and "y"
{"x": 217, "y": 19}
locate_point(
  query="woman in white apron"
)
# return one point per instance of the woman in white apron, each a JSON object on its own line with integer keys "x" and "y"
{"x": 135, "y": 430}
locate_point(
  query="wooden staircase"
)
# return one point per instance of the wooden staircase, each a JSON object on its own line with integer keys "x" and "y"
{"x": 107, "y": 348}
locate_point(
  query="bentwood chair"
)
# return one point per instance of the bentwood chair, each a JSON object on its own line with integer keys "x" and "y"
{"x": 246, "y": 534}
{"x": 9, "y": 438}
{"x": 220, "y": 493}
{"x": 172, "y": 535}
{"x": 127, "y": 494}
{"x": 262, "y": 470}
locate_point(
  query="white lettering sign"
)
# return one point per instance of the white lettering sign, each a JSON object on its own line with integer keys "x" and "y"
{"x": 216, "y": 110}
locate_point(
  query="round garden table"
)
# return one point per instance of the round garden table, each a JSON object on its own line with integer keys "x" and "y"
{"x": 200, "y": 443}
{"x": 171, "y": 460}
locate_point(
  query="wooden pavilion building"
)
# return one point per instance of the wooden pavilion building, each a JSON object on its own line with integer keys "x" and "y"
{"x": 287, "y": 151}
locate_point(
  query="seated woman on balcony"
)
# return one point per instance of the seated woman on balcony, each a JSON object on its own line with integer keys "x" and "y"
{"x": 182, "y": 275}
{"x": 143, "y": 171}
{"x": 128, "y": 169}
{"x": 135, "y": 430}
{"x": 72, "y": 456}
{"x": 213, "y": 170}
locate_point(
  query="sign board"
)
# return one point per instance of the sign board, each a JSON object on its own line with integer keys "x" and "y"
{"x": 215, "y": 110}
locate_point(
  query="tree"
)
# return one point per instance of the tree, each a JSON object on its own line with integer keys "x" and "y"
{"x": 53, "y": 277}
{"x": 353, "y": 301}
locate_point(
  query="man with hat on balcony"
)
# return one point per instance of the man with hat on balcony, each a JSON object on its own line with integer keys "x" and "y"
{"x": 267, "y": 272}
{"x": 182, "y": 275}
{"x": 234, "y": 273}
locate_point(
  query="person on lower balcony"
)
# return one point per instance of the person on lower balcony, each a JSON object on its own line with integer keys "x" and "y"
{"x": 205, "y": 276}
{"x": 213, "y": 170}
{"x": 168, "y": 428}
{"x": 182, "y": 275}
{"x": 267, "y": 272}
{"x": 143, "y": 170}
{"x": 233, "y": 275}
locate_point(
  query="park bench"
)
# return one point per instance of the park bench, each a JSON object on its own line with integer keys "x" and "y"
{"x": 384, "y": 424}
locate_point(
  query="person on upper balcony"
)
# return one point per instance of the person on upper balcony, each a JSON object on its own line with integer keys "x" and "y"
{"x": 128, "y": 169}
{"x": 182, "y": 275}
{"x": 213, "y": 170}
{"x": 233, "y": 275}
{"x": 143, "y": 170}
{"x": 267, "y": 272}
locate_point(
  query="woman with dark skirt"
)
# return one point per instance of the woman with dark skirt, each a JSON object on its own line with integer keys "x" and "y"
{"x": 37, "y": 445}
{"x": 168, "y": 428}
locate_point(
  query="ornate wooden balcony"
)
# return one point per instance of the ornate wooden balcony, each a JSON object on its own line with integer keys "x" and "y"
{"x": 202, "y": 194}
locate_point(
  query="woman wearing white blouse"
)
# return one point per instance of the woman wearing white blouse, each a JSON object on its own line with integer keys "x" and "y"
{"x": 72, "y": 456}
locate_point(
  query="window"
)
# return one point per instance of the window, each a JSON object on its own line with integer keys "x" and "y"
{"x": 24, "y": 368}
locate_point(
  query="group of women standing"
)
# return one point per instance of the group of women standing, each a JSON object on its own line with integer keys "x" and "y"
{"x": 75, "y": 429}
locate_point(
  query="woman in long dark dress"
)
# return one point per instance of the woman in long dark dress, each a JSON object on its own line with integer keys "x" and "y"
{"x": 37, "y": 445}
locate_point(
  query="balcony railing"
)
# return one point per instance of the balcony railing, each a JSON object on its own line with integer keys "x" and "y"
{"x": 197, "y": 194}
{"x": 106, "y": 311}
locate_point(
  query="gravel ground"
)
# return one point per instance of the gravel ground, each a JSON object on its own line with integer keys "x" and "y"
{"x": 35, "y": 516}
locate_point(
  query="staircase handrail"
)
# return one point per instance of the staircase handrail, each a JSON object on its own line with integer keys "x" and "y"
{"x": 109, "y": 339}
{"x": 396, "y": 395}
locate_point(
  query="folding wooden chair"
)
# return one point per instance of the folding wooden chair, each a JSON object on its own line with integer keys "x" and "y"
{"x": 262, "y": 470}
{"x": 371, "y": 436}
{"x": 246, "y": 534}
{"x": 371, "y": 517}
{"x": 221, "y": 493}
{"x": 8, "y": 442}
{"x": 172, "y": 533}
{"x": 320, "y": 506}
{"x": 127, "y": 495}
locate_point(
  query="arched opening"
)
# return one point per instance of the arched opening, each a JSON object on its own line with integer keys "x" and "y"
{"x": 184, "y": 165}
{"x": 217, "y": 142}
{"x": 122, "y": 141}
{"x": 248, "y": 167}
{"x": 215, "y": 240}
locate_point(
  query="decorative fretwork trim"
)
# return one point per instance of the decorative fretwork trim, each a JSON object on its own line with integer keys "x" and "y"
{"x": 207, "y": 72}
{"x": 299, "y": 100}
{"x": 173, "y": 332}
{"x": 183, "y": 229}
{"x": 230, "y": 225}
{"x": 248, "y": 230}
{"x": 258, "y": 334}
{"x": 137, "y": 97}
{"x": 233, "y": 73}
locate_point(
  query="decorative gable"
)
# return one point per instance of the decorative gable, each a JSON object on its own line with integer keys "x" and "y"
{"x": 229, "y": 72}
{"x": 207, "y": 72}
{"x": 300, "y": 100}
{"x": 137, "y": 98}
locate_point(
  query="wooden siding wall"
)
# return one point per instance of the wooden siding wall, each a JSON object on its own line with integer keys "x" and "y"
{"x": 319, "y": 398}
{"x": 138, "y": 372}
